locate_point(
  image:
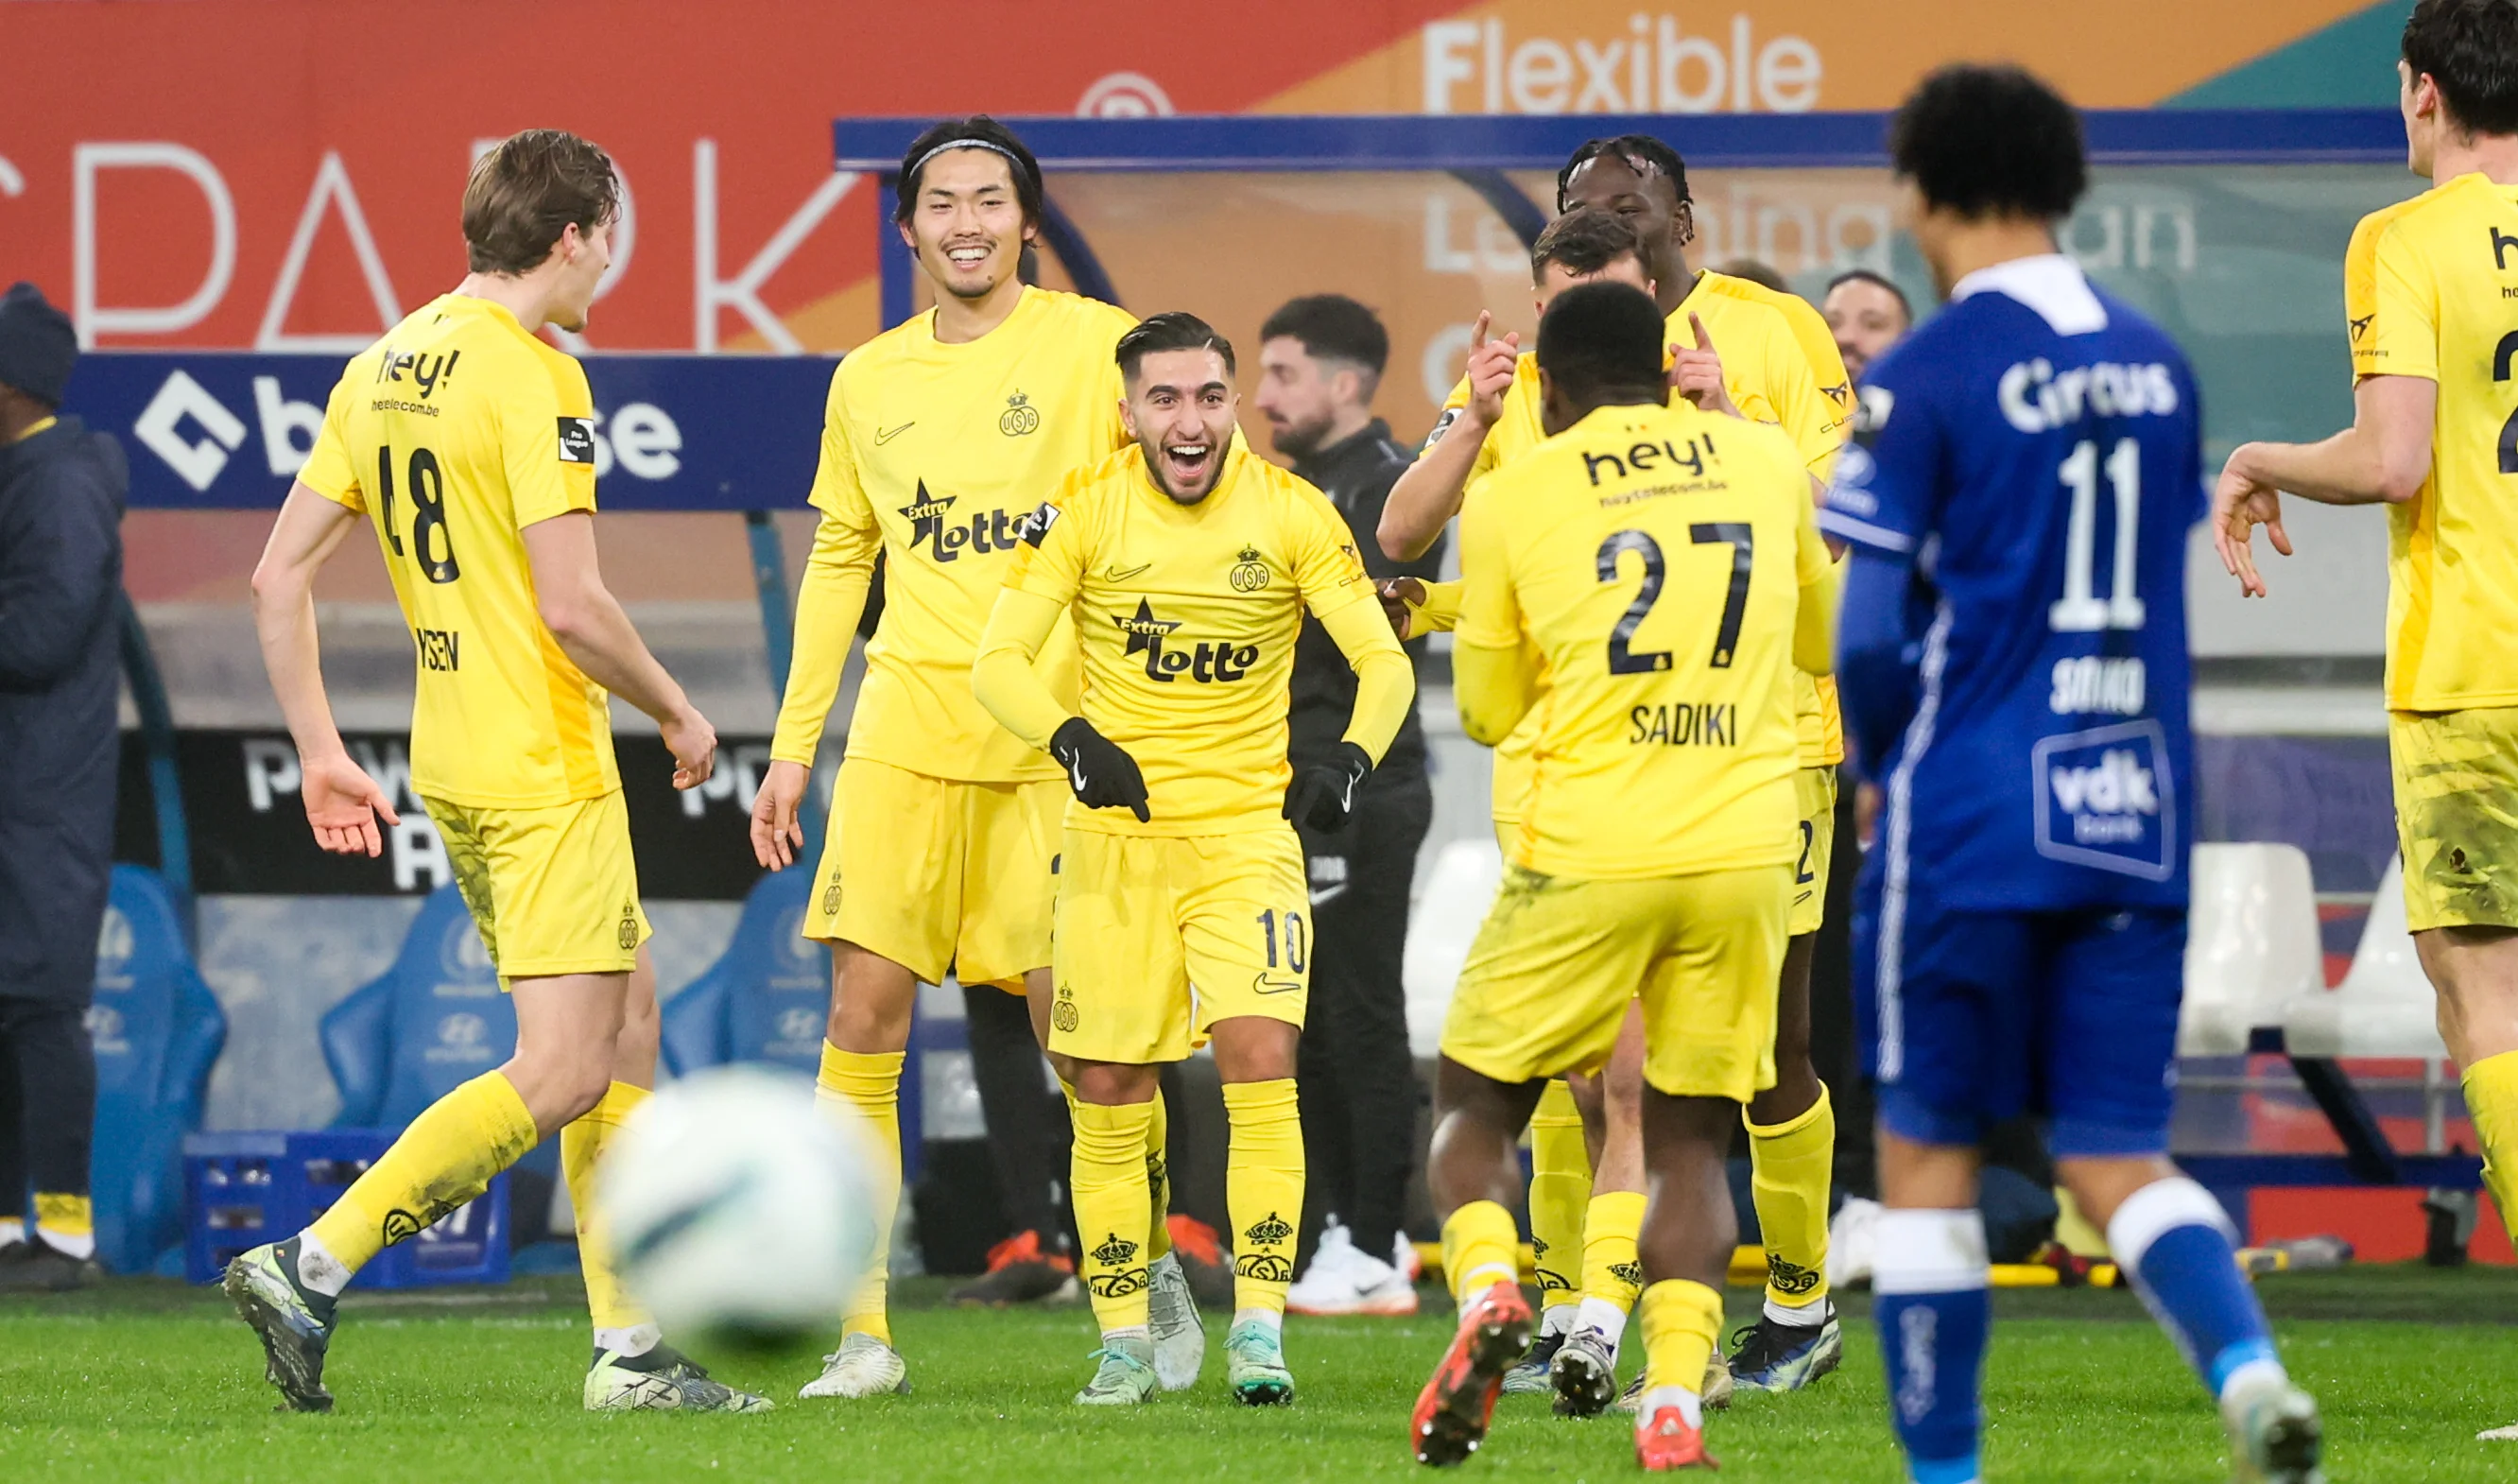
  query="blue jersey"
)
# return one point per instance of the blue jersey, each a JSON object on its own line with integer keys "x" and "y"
{"x": 2034, "y": 452}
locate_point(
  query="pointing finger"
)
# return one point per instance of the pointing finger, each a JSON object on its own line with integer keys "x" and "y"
{"x": 1478, "y": 333}
{"x": 1704, "y": 341}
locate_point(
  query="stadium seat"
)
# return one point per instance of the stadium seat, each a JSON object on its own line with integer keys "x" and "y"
{"x": 1447, "y": 911}
{"x": 766, "y": 999}
{"x": 2384, "y": 1007}
{"x": 429, "y": 1023}
{"x": 2252, "y": 944}
{"x": 157, "y": 1032}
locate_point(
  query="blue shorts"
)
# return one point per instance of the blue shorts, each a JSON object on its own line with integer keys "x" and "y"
{"x": 1970, "y": 1018}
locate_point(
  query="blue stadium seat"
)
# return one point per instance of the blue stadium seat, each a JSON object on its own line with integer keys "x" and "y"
{"x": 431, "y": 1022}
{"x": 766, "y": 999}
{"x": 157, "y": 1032}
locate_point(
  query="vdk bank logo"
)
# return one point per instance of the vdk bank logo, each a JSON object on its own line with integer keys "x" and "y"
{"x": 2107, "y": 799}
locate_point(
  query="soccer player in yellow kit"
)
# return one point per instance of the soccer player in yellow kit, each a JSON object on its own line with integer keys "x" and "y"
{"x": 1646, "y": 581}
{"x": 470, "y": 445}
{"x": 2426, "y": 285}
{"x": 1776, "y": 362}
{"x": 940, "y": 435}
{"x": 1184, "y": 564}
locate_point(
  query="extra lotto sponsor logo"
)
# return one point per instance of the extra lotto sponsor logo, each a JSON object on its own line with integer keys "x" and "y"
{"x": 946, "y": 535}
{"x": 1205, "y": 662}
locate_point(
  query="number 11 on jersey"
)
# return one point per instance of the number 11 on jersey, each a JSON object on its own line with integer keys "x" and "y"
{"x": 2079, "y": 610}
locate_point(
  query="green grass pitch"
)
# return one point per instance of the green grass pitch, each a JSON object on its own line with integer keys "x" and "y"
{"x": 149, "y": 1380}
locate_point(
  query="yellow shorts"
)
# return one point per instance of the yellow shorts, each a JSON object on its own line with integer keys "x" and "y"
{"x": 1551, "y": 970}
{"x": 1815, "y": 792}
{"x": 2456, "y": 816}
{"x": 1159, "y": 937}
{"x": 554, "y": 891}
{"x": 935, "y": 874}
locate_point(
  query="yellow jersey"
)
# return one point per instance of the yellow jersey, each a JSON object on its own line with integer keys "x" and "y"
{"x": 1781, "y": 365}
{"x": 933, "y": 454}
{"x": 1658, "y": 559}
{"x": 454, "y": 433}
{"x": 2426, "y": 286}
{"x": 1188, "y": 616}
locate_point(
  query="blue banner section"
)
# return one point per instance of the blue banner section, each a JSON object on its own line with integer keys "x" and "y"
{"x": 214, "y": 430}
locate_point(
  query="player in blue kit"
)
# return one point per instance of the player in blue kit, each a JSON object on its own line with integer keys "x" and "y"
{"x": 2011, "y": 659}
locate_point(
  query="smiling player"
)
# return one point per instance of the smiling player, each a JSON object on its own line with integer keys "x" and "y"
{"x": 940, "y": 435}
{"x": 1185, "y": 564}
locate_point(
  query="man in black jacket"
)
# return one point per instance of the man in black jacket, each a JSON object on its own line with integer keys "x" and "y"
{"x": 60, "y": 569}
{"x": 1320, "y": 358}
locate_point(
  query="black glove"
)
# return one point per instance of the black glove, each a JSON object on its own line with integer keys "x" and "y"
{"x": 1322, "y": 794}
{"x": 1102, "y": 773}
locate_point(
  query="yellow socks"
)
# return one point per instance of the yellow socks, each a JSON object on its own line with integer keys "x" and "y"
{"x": 66, "y": 1223}
{"x": 1113, "y": 1207}
{"x": 618, "y": 1318}
{"x": 870, "y": 1083}
{"x": 1263, "y": 1188}
{"x": 1790, "y": 1165}
{"x": 443, "y": 1160}
{"x": 1560, "y": 1187}
{"x": 1612, "y": 1274}
{"x": 2492, "y": 1101}
{"x": 1158, "y": 1181}
{"x": 1681, "y": 1322}
{"x": 1479, "y": 1242}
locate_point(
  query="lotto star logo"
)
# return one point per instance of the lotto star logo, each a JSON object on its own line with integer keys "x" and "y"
{"x": 947, "y": 536}
{"x": 1203, "y": 662}
{"x": 1145, "y": 630}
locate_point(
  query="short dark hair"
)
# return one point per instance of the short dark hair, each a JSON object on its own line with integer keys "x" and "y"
{"x": 1990, "y": 141}
{"x": 526, "y": 191}
{"x": 976, "y": 132}
{"x": 1866, "y": 276}
{"x": 2470, "y": 49}
{"x": 1599, "y": 339}
{"x": 1643, "y": 154}
{"x": 1757, "y": 272}
{"x": 1175, "y": 330}
{"x": 1332, "y": 328}
{"x": 1584, "y": 241}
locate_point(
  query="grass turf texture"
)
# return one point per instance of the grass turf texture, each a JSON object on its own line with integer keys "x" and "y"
{"x": 151, "y": 1380}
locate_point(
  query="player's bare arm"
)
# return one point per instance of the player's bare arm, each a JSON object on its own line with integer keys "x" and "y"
{"x": 342, "y": 803}
{"x": 2383, "y": 458}
{"x": 599, "y": 637}
{"x": 1429, "y": 495}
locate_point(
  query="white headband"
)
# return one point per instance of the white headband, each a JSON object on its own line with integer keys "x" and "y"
{"x": 989, "y": 145}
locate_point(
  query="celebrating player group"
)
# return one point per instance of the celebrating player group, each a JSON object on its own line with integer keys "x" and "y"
{"x": 1681, "y": 529}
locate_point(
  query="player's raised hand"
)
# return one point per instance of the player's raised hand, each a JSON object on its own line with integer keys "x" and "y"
{"x": 343, "y": 804}
{"x": 1696, "y": 372}
{"x": 1492, "y": 364}
{"x": 1401, "y": 597}
{"x": 2241, "y": 503}
{"x": 692, "y": 741}
{"x": 777, "y": 833}
{"x": 1099, "y": 770}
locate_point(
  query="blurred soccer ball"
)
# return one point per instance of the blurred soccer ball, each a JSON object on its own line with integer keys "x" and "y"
{"x": 737, "y": 1209}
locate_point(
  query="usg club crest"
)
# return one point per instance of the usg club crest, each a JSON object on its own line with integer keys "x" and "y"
{"x": 1249, "y": 574}
{"x": 1019, "y": 417}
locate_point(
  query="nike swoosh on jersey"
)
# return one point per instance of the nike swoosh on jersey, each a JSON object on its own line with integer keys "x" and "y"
{"x": 1117, "y": 574}
{"x": 882, "y": 436}
{"x": 1263, "y": 985}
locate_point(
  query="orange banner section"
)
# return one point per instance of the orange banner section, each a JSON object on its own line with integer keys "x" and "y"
{"x": 284, "y": 174}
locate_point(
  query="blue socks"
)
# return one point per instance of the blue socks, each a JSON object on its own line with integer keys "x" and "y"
{"x": 1934, "y": 1313}
{"x": 2173, "y": 1240}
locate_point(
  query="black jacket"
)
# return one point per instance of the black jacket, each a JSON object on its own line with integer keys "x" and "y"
{"x": 61, "y": 575}
{"x": 1356, "y": 474}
